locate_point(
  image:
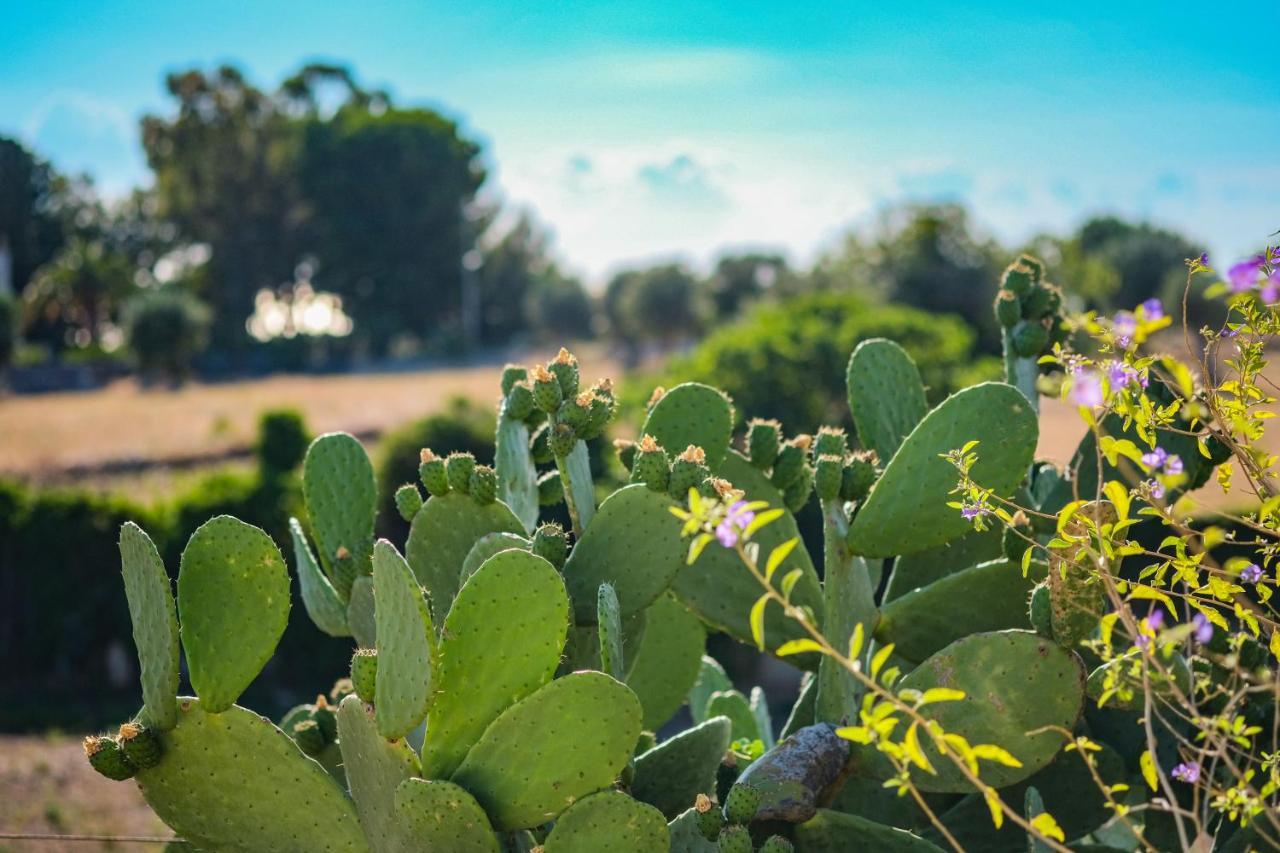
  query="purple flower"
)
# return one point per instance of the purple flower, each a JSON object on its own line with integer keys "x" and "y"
{"x": 1251, "y": 573}
{"x": 1270, "y": 293}
{"x": 1173, "y": 465}
{"x": 972, "y": 511}
{"x": 1123, "y": 375}
{"x": 1086, "y": 390}
{"x": 1204, "y": 259}
{"x": 1189, "y": 773}
{"x": 1204, "y": 630}
{"x": 1155, "y": 459}
{"x": 1244, "y": 275}
{"x": 730, "y": 530}
{"x": 1152, "y": 623}
{"x": 1228, "y": 332}
{"x": 1157, "y": 490}
{"x": 1153, "y": 310}
{"x": 1124, "y": 326}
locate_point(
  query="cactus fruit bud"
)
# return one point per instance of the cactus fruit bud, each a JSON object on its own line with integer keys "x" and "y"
{"x": 1039, "y": 610}
{"x": 1034, "y": 264}
{"x": 651, "y": 466}
{"x": 576, "y": 412}
{"x": 459, "y": 467}
{"x": 710, "y": 818}
{"x": 764, "y": 437}
{"x": 106, "y": 756}
{"x": 1041, "y": 301}
{"x": 140, "y": 745}
{"x": 741, "y": 804}
{"x": 859, "y": 475}
{"x": 309, "y": 738}
{"x": 734, "y": 839}
{"x": 433, "y": 474}
{"x": 342, "y": 688}
{"x": 777, "y": 844}
{"x": 546, "y": 390}
{"x": 724, "y": 490}
{"x": 550, "y": 489}
{"x": 796, "y": 495}
{"x": 603, "y": 409}
{"x": 790, "y": 460}
{"x": 1018, "y": 277}
{"x": 511, "y": 374}
{"x": 565, "y": 369}
{"x": 626, "y": 450}
{"x": 1008, "y": 309}
{"x": 1014, "y": 541}
{"x": 831, "y": 441}
{"x": 828, "y": 477}
{"x": 540, "y": 446}
{"x": 484, "y": 484}
{"x": 1030, "y": 339}
{"x": 658, "y": 393}
{"x": 326, "y": 718}
{"x": 364, "y": 673}
{"x": 519, "y": 403}
{"x": 408, "y": 501}
{"x": 551, "y": 544}
{"x": 562, "y": 440}
{"x": 687, "y": 472}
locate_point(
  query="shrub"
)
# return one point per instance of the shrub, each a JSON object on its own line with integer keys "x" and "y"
{"x": 166, "y": 330}
{"x": 282, "y": 441}
{"x": 8, "y": 329}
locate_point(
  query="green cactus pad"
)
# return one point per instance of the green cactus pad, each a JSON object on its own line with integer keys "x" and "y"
{"x": 576, "y": 478}
{"x": 234, "y": 782}
{"x": 836, "y": 832}
{"x": 634, "y": 544}
{"x": 517, "y": 476}
{"x": 360, "y": 617}
{"x": 155, "y": 624}
{"x": 233, "y": 604}
{"x": 1014, "y": 682}
{"x": 406, "y": 643}
{"x": 885, "y": 395}
{"x": 609, "y": 821}
{"x": 924, "y": 567}
{"x": 735, "y": 706}
{"x": 907, "y": 509}
{"x": 609, "y": 625}
{"x": 664, "y": 667}
{"x": 375, "y": 767}
{"x": 342, "y": 499}
{"x": 850, "y": 602}
{"x": 686, "y": 837}
{"x": 486, "y": 547}
{"x": 572, "y": 737}
{"x": 987, "y": 597}
{"x": 671, "y": 775}
{"x": 721, "y": 591}
{"x": 442, "y": 816}
{"x": 711, "y": 679}
{"x": 501, "y": 642}
{"x": 443, "y": 533}
{"x": 803, "y": 710}
{"x": 325, "y": 607}
{"x": 692, "y": 413}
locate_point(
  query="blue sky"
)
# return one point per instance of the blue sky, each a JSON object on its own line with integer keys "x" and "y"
{"x": 679, "y": 129}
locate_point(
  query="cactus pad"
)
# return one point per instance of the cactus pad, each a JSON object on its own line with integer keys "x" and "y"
{"x": 517, "y": 476}
{"x": 711, "y": 679}
{"x": 375, "y": 767}
{"x": 325, "y": 607}
{"x": 576, "y": 479}
{"x": 443, "y": 533}
{"x": 609, "y": 821}
{"x": 721, "y": 591}
{"x": 442, "y": 816}
{"x": 155, "y": 624}
{"x": 734, "y": 706}
{"x": 233, "y": 604}
{"x": 907, "y": 509}
{"x": 609, "y": 624}
{"x": 692, "y": 413}
{"x": 924, "y": 567}
{"x": 486, "y": 547}
{"x": 633, "y": 543}
{"x": 406, "y": 643}
{"x": 342, "y": 499}
{"x": 671, "y": 775}
{"x": 233, "y": 781}
{"x": 836, "y": 832}
{"x": 572, "y": 737}
{"x": 360, "y": 613}
{"x": 501, "y": 642}
{"x": 987, "y": 597}
{"x": 885, "y": 395}
{"x": 664, "y": 667}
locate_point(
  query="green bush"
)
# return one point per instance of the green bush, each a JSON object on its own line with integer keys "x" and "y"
{"x": 166, "y": 330}
{"x": 8, "y": 329}
{"x": 788, "y": 361}
{"x": 282, "y": 441}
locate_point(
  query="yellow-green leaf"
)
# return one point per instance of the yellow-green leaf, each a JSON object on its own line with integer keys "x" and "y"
{"x": 789, "y": 582}
{"x": 881, "y": 657}
{"x": 855, "y": 642}
{"x": 777, "y": 555}
{"x": 761, "y": 520}
{"x": 1044, "y": 824}
{"x": 757, "y": 620}
{"x": 1148, "y": 768}
{"x": 993, "y": 803}
{"x": 991, "y": 752}
{"x": 941, "y": 694}
{"x": 911, "y": 745}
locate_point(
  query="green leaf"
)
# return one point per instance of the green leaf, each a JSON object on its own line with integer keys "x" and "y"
{"x": 757, "y": 620}
{"x": 777, "y": 555}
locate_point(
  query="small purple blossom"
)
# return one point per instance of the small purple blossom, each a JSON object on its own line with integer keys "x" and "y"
{"x": 1122, "y": 375}
{"x": 1251, "y": 573}
{"x": 1156, "y": 489}
{"x": 1270, "y": 293}
{"x": 1204, "y": 259}
{"x": 1228, "y": 332}
{"x": 1244, "y": 275}
{"x": 1124, "y": 326}
{"x": 1086, "y": 390}
{"x": 730, "y": 530}
{"x": 1203, "y": 628}
{"x": 972, "y": 511}
{"x": 1173, "y": 465}
{"x": 1189, "y": 773}
{"x": 1152, "y": 310}
{"x": 1152, "y": 623}
{"x": 1155, "y": 459}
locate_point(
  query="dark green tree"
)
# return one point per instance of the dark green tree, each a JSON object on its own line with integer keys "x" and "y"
{"x": 740, "y": 280}
{"x": 558, "y": 308}
{"x": 76, "y": 296}
{"x": 511, "y": 268}
{"x": 33, "y": 211}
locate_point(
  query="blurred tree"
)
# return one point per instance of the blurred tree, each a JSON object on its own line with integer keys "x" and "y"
{"x": 740, "y": 280}
{"x": 510, "y": 269}
{"x": 76, "y": 298}
{"x": 658, "y": 304}
{"x": 558, "y": 308}
{"x": 8, "y": 331}
{"x": 32, "y": 212}
{"x": 166, "y": 329}
{"x": 225, "y": 176}
{"x": 926, "y": 256}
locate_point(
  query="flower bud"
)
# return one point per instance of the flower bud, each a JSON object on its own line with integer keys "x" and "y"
{"x": 484, "y": 484}
{"x": 764, "y": 437}
{"x": 364, "y": 673}
{"x": 565, "y": 368}
{"x": 433, "y": 474}
{"x": 551, "y": 544}
{"x": 458, "y": 466}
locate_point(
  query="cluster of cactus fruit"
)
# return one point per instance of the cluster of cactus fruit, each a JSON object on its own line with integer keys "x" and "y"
{"x": 509, "y": 675}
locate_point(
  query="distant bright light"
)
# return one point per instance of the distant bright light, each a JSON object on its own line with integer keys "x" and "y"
{"x": 306, "y": 312}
